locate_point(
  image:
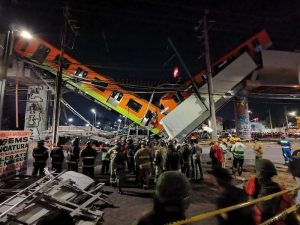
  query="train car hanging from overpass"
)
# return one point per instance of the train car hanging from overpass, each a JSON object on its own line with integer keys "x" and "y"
{"x": 87, "y": 82}
{"x": 252, "y": 45}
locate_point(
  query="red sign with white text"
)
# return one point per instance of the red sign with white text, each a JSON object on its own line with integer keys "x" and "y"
{"x": 13, "y": 152}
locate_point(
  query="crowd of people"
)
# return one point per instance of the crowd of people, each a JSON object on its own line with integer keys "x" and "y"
{"x": 173, "y": 165}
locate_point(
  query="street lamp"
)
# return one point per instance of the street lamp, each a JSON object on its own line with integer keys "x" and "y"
{"x": 94, "y": 117}
{"x": 70, "y": 120}
{"x": 7, "y": 51}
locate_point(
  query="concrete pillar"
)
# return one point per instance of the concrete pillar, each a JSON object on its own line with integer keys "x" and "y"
{"x": 242, "y": 118}
{"x": 36, "y": 114}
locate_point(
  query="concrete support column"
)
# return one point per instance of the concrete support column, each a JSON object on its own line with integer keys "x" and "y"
{"x": 242, "y": 118}
{"x": 36, "y": 115}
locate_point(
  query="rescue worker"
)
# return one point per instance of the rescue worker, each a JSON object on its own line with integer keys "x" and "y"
{"x": 130, "y": 156}
{"x": 105, "y": 158}
{"x": 186, "y": 159}
{"x": 196, "y": 161}
{"x": 173, "y": 159}
{"x": 112, "y": 152}
{"x": 119, "y": 164}
{"x": 40, "y": 155}
{"x": 143, "y": 159}
{"x": 286, "y": 148}
{"x": 238, "y": 152}
{"x": 294, "y": 168}
{"x": 230, "y": 195}
{"x": 88, "y": 156}
{"x": 171, "y": 200}
{"x": 261, "y": 185}
{"x": 57, "y": 158}
{"x": 223, "y": 146}
{"x": 258, "y": 149}
{"x": 216, "y": 155}
{"x": 73, "y": 155}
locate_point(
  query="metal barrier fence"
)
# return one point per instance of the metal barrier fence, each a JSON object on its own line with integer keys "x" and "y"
{"x": 206, "y": 215}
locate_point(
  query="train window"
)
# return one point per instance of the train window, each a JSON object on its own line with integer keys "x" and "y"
{"x": 244, "y": 49}
{"x": 24, "y": 46}
{"x": 65, "y": 64}
{"x": 100, "y": 85}
{"x": 80, "y": 73}
{"x": 117, "y": 95}
{"x": 135, "y": 106}
{"x": 41, "y": 53}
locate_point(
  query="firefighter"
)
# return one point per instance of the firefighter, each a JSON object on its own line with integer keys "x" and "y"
{"x": 158, "y": 162}
{"x": 286, "y": 148}
{"x": 112, "y": 152}
{"x": 57, "y": 158}
{"x": 143, "y": 159}
{"x": 73, "y": 155}
{"x": 119, "y": 164}
{"x": 88, "y": 156}
{"x": 40, "y": 155}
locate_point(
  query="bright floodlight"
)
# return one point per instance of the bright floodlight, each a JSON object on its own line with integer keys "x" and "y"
{"x": 249, "y": 111}
{"x": 292, "y": 113}
{"x": 25, "y": 34}
{"x": 70, "y": 119}
{"x": 93, "y": 110}
{"x": 119, "y": 120}
{"x": 98, "y": 123}
{"x": 87, "y": 125}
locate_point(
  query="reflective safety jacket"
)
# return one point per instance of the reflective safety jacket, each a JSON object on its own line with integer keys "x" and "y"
{"x": 57, "y": 155}
{"x": 40, "y": 154}
{"x": 238, "y": 150}
{"x": 143, "y": 158}
{"x": 285, "y": 143}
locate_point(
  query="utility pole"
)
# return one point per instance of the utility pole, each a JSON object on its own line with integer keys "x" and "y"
{"x": 209, "y": 79}
{"x": 3, "y": 72}
{"x": 59, "y": 78}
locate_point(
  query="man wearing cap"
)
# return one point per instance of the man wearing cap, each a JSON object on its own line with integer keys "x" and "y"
{"x": 230, "y": 195}
{"x": 40, "y": 155}
{"x": 171, "y": 200}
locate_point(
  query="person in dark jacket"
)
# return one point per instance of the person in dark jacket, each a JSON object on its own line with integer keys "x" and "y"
{"x": 40, "y": 155}
{"x": 173, "y": 159}
{"x": 88, "y": 156}
{"x": 73, "y": 155}
{"x": 105, "y": 159}
{"x": 130, "y": 156}
{"x": 231, "y": 195}
{"x": 294, "y": 168}
{"x": 186, "y": 158}
{"x": 57, "y": 158}
{"x": 171, "y": 200}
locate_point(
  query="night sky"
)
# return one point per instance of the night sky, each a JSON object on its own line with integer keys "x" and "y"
{"x": 127, "y": 40}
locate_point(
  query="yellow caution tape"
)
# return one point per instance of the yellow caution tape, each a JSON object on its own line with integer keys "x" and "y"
{"x": 281, "y": 215}
{"x": 206, "y": 215}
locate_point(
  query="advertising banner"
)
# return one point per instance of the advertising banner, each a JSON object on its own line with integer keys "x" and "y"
{"x": 13, "y": 153}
